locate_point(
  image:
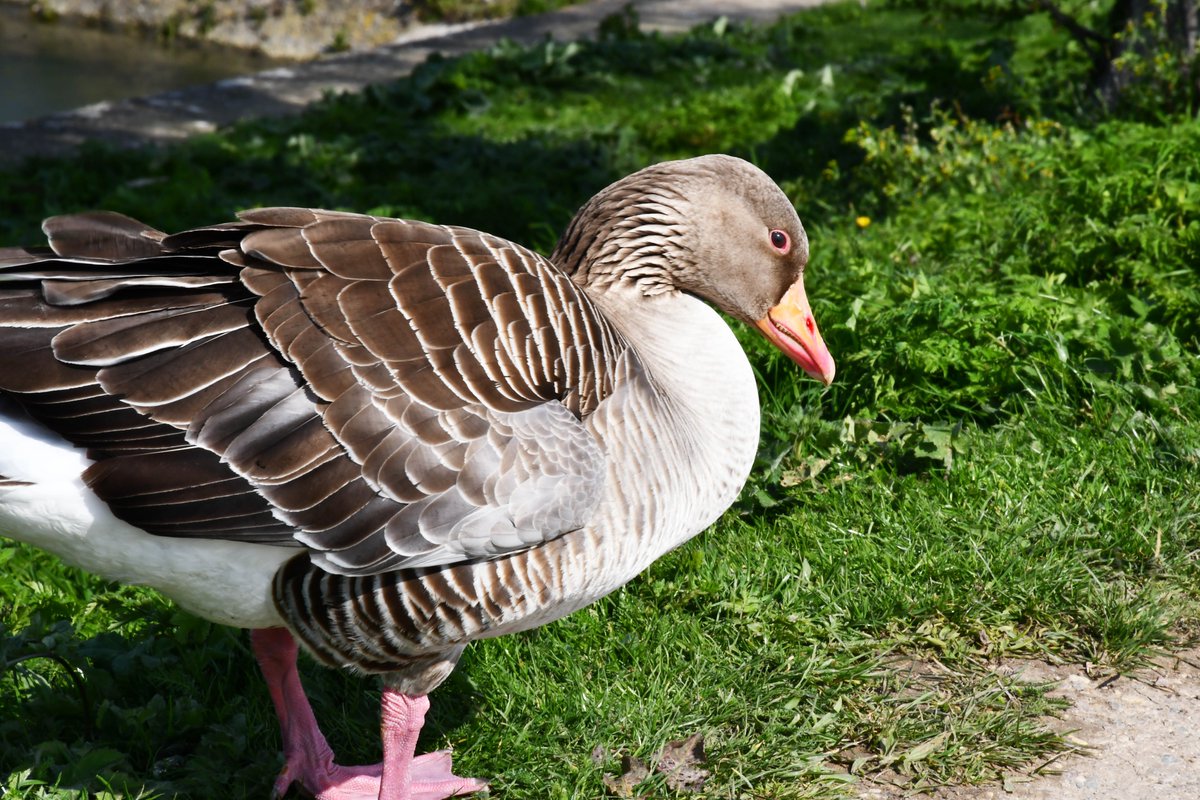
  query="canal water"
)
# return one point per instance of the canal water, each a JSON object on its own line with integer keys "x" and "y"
{"x": 49, "y": 67}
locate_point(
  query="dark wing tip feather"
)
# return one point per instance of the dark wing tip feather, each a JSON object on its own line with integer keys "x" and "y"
{"x": 283, "y": 217}
{"x": 102, "y": 234}
{"x": 12, "y": 483}
{"x": 22, "y": 256}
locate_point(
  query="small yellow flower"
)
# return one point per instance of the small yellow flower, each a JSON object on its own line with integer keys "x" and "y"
{"x": 862, "y": 222}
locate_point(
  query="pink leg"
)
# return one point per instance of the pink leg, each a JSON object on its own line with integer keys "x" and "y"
{"x": 309, "y": 759}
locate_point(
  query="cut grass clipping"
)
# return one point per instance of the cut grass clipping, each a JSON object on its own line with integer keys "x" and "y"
{"x": 1006, "y": 466}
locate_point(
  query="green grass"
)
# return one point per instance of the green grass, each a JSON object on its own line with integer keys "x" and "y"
{"x": 1007, "y": 465}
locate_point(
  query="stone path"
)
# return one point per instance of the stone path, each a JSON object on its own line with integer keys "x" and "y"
{"x": 177, "y": 114}
{"x": 1138, "y": 738}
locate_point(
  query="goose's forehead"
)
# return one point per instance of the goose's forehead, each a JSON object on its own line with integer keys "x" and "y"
{"x": 725, "y": 179}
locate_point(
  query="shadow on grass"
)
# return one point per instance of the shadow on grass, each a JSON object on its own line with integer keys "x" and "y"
{"x": 165, "y": 703}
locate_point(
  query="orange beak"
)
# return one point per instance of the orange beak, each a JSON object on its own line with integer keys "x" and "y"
{"x": 790, "y": 327}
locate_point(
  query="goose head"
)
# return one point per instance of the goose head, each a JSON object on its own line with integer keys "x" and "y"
{"x": 716, "y": 227}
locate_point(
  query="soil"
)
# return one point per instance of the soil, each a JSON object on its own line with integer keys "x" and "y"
{"x": 1136, "y": 737}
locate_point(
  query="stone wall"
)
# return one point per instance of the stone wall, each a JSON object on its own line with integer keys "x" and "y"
{"x": 277, "y": 28}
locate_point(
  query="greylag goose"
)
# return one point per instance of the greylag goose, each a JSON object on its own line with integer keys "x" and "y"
{"x": 384, "y": 438}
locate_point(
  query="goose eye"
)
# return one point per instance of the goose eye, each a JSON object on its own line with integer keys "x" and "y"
{"x": 781, "y": 241}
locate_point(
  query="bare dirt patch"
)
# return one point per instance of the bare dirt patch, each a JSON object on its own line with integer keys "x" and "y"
{"x": 1138, "y": 738}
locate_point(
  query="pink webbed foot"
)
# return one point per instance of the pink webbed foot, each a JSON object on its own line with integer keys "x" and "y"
{"x": 431, "y": 779}
{"x": 327, "y": 781}
{"x": 309, "y": 760}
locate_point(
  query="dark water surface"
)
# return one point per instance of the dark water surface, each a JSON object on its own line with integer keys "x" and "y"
{"x": 49, "y": 67}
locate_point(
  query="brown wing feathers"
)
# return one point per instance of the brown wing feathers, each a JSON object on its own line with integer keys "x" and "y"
{"x": 382, "y": 391}
{"x": 104, "y": 235}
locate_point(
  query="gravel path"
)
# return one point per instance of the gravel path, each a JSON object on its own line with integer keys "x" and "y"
{"x": 1139, "y": 738}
